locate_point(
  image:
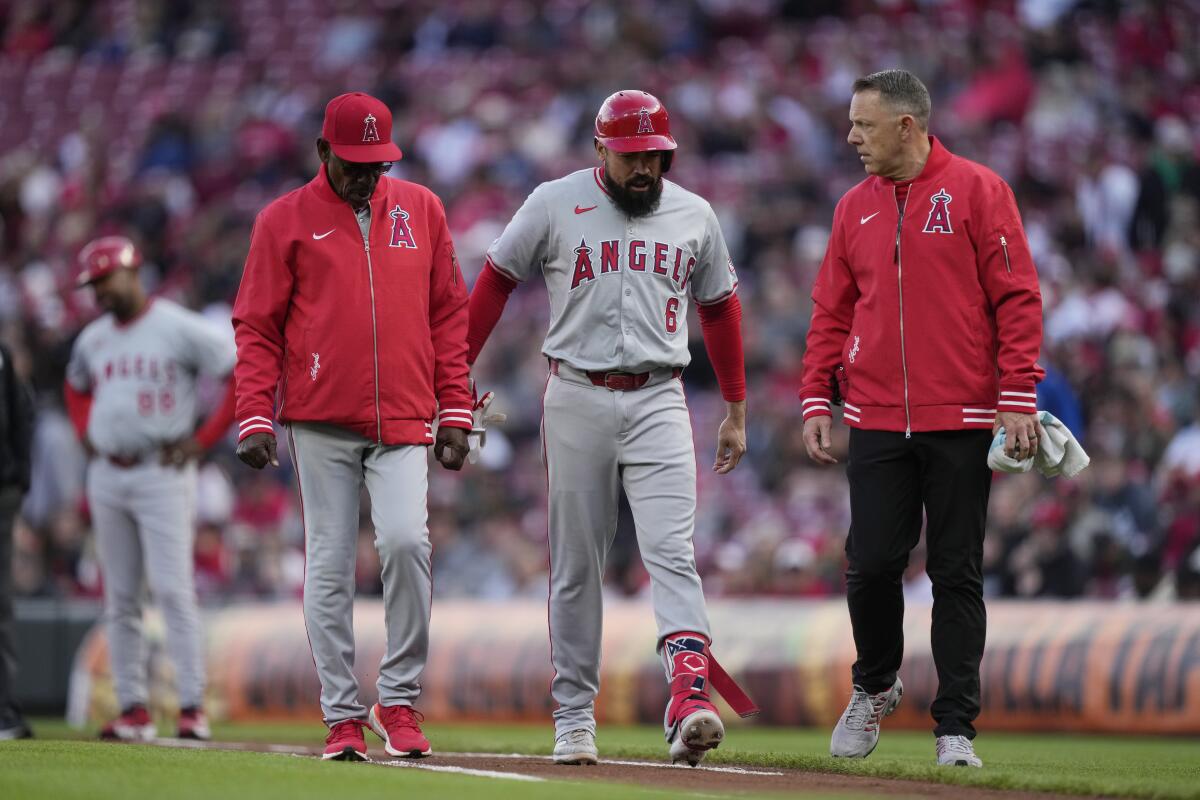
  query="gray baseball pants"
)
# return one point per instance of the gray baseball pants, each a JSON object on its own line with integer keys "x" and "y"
{"x": 594, "y": 442}
{"x": 332, "y": 465}
{"x": 144, "y": 520}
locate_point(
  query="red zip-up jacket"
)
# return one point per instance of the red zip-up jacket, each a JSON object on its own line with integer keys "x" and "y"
{"x": 935, "y": 314}
{"x": 370, "y": 337}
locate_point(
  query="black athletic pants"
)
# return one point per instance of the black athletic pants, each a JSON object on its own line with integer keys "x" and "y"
{"x": 891, "y": 479}
{"x": 10, "y": 504}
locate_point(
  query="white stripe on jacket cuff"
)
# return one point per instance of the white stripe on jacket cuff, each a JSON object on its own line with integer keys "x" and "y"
{"x": 817, "y": 410}
{"x": 256, "y": 427}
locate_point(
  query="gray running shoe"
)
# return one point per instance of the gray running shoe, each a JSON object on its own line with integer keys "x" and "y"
{"x": 956, "y": 751}
{"x": 576, "y": 747}
{"x": 857, "y": 732}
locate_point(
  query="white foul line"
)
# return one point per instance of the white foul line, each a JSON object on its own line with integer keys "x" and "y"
{"x": 659, "y": 765}
{"x": 478, "y": 773}
{"x": 299, "y": 750}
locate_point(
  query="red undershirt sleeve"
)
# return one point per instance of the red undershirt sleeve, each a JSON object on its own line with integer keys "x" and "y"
{"x": 488, "y": 299}
{"x": 213, "y": 428}
{"x": 79, "y": 408}
{"x": 721, "y": 324}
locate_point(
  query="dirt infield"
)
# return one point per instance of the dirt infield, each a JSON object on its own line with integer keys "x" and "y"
{"x": 707, "y": 779}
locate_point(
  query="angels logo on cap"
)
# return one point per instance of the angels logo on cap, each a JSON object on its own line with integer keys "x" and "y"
{"x": 358, "y": 128}
{"x": 370, "y": 132}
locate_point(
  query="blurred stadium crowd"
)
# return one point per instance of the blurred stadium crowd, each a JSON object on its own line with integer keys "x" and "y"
{"x": 176, "y": 122}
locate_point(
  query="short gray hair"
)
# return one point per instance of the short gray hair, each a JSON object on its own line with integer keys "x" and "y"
{"x": 901, "y": 90}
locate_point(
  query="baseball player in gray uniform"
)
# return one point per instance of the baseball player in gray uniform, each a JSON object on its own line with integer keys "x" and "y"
{"x": 131, "y": 392}
{"x": 623, "y": 251}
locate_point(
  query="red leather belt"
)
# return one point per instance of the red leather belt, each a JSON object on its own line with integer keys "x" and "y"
{"x": 618, "y": 381}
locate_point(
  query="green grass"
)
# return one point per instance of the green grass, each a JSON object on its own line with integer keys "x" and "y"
{"x": 1146, "y": 767}
{"x": 70, "y": 770}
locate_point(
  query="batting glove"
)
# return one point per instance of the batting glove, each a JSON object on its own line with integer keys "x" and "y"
{"x": 482, "y": 418}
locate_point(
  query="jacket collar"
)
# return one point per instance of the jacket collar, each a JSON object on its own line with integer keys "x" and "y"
{"x": 321, "y": 186}
{"x": 939, "y": 159}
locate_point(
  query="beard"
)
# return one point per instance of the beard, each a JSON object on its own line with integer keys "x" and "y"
{"x": 634, "y": 203}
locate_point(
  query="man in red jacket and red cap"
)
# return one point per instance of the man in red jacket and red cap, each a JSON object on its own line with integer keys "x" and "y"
{"x": 927, "y": 319}
{"x": 353, "y": 312}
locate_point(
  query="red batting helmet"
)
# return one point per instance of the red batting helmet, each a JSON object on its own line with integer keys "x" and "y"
{"x": 104, "y": 255}
{"x": 633, "y": 122}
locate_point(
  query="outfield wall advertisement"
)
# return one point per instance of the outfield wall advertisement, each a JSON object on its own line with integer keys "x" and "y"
{"x": 1048, "y": 666}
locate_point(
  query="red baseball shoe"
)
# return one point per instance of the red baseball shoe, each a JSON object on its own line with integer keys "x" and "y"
{"x": 193, "y": 724}
{"x": 400, "y": 729}
{"x": 345, "y": 742}
{"x": 134, "y": 725}
{"x": 691, "y": 722}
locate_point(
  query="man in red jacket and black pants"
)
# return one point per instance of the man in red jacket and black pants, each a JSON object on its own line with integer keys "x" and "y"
{"x": 928, "y": 319}
{"x": 353, "y": 309}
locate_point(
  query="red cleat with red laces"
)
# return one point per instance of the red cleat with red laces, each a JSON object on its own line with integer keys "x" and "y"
{"x": 345, "y": 742}
{"x": 134, "y": 725}
{"x": 400, "y": 729}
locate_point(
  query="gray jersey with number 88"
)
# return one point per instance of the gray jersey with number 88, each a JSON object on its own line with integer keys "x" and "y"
{"x": 142, "y": 375}
{"x": 618, "y": 286}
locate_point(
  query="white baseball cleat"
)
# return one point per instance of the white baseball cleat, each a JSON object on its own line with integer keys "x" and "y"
{"x": 956, "y": 751}
{"x": 857, "y": 731}
{"x": 576, "y": 747}
{"x": 697, "y": 734}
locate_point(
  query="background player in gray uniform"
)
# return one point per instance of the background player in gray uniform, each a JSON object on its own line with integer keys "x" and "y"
{"x": 623, "y": 251}
{"x": 131, "y": 391}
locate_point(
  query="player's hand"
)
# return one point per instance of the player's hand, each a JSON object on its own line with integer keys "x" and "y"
{"x": 1022, "y": 432}
{"x": 258, "y": 450}
{"x": 818, "y": 439}
{"x": 731, "y": 439}
{"x": 176, "y": 454}
{"x": 451, "y": 448}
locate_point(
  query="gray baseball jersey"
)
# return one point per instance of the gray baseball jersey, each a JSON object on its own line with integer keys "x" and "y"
{"x": 619, "y": 289}
{"x": 142, "y": 375}
{"x": 619, "y": 286}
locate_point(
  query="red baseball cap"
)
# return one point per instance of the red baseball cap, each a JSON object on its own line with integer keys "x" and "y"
{"x": 359, "y": 129}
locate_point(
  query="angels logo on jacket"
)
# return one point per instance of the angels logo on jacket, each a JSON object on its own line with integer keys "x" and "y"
{"x": 401, "y": 233}
{"x": 939, "y": 215}
{"x": 370, "y": 132}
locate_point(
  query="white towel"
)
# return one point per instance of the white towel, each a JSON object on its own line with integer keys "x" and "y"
{"x": 1059, "y": 453}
